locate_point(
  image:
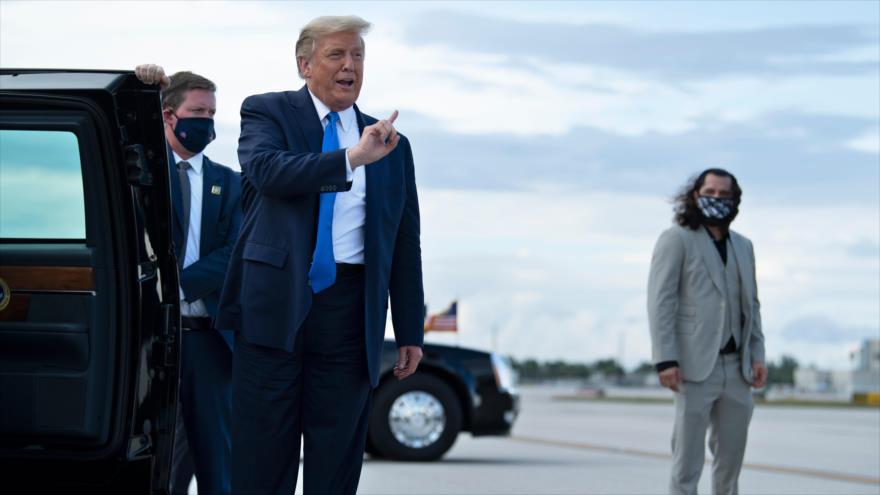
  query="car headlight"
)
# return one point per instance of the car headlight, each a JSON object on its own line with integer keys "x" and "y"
{"x": 505, "y": 375}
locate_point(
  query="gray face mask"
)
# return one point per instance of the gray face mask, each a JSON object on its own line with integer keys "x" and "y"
{"x": 716, "y": 210}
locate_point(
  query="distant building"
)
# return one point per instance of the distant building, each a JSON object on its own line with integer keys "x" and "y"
{"x": 866, "y": 375}
{"x": 868, "y": 356}
{"x": 815, "y": 381}
{"x": 812, "y": 380}
{"x": 864, "y": 378}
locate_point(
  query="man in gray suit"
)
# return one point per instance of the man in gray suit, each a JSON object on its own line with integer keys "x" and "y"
{"x": 706, "y": 335}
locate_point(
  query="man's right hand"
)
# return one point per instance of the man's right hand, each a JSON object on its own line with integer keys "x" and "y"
{"x": 152, "y": 74}
{"x": 377, "y": 140}
{"x": 671, "y": 378}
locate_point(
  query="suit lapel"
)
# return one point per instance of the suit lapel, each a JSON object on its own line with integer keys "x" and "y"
{"x": 711, "y": 258}
{"x": 211, "y": 182}
{"x": 375, "y": 173}
{"x": 371, "y": 172}
{"x": 309, "y": 126}
{"x": 176, "y": 201}
{"x": 744, "y": 267}
{"x": 308, "y": 119}
{"x": 375, "y": 176}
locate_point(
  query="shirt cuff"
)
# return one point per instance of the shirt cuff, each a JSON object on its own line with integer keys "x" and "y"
{"x": 665, "y": 365}
{"x": 348, "y": 171}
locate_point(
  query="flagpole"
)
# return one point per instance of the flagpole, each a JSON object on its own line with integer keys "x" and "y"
{"x": 457, "y": 325}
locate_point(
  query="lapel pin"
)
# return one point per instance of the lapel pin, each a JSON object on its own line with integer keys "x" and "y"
{"x": 215, "y": 190}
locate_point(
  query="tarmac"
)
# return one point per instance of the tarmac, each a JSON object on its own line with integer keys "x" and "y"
{"x": 610, "y": 447}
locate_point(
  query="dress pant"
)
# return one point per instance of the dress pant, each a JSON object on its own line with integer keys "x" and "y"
{"x": 320, "y": 392}
{"x": 202, "y": 444}
{"x": 722, "y": 403}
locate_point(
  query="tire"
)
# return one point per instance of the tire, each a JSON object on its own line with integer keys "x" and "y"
{"x": 416, "y": 419}
{"x": 369, "y": 448}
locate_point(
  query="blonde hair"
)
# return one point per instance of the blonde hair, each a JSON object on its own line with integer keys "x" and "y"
{"x": 322, "y": 26}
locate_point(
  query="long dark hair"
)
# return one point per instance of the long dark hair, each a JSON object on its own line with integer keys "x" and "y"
{"x": 687, "y": 214}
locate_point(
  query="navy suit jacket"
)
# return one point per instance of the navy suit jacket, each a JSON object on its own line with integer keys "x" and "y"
{"x": 267, "y": 296}
{"x": 221, "y": 221}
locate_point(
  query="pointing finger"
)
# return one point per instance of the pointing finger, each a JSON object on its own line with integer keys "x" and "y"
{"x": 393, "y": 117}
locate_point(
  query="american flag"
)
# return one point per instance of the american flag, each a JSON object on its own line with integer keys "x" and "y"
{"x": 445, "y": 321}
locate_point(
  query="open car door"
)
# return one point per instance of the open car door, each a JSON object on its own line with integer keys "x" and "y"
{"x": 89, "y": 312}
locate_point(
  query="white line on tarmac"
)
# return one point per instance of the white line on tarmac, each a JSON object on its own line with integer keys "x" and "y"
{"x": 816, "y": 473}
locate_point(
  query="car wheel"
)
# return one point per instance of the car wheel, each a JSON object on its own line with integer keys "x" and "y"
{"x": 416, "y": 419}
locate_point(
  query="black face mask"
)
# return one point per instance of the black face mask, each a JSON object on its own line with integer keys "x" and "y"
{"x": 716, "y": 211}
{"x": 194, "y": 133}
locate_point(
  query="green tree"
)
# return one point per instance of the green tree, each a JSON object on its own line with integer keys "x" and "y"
{"x": 528, "y": 370}
{"x": 532, "y": 370}
{"x": 609, "y": 367}
{"x": 645, "y": 368}
{"x": 782, "y": 373}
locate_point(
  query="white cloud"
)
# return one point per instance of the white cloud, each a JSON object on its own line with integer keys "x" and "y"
{"x": 579, "y": 292}
{"x": 248, "y": 48}
{"x": 476, "y": 91}
{"x": 561, "y": 274}
{"x": 869, "y": 142}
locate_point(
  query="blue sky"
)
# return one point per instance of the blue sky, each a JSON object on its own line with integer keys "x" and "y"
{"x": 549, "y": 137}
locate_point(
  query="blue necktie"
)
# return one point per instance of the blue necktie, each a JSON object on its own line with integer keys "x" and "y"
{"x": 323, "y": 271}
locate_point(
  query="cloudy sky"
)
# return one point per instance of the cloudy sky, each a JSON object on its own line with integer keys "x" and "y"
{"x": 549, "y": 138}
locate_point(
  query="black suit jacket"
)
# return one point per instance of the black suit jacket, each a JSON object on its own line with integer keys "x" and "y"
{"x": 267, "y": 295}
{"x": 221, "y": 221}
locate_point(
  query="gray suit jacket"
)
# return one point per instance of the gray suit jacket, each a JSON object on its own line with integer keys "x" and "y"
{"x": 687, "y": 298}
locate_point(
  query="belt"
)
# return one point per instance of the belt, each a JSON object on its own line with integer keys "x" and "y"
{"x": 343, "y": 269}
{"x": 200, "y": 323}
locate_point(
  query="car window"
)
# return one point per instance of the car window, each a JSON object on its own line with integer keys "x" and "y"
{"x": 41, "y": 185}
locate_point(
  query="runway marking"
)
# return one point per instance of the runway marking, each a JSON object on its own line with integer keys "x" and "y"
{"x": 815, "y": 473}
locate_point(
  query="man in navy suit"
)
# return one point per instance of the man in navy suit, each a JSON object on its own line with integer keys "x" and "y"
{"x": 206, "y": 199}
{"x": 331, "y": 228}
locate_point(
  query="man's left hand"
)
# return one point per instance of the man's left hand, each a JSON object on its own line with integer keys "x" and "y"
{"x": 759, "y": 375}
{"x": 153, "y": 74}
{"x": 408, "y": 358}
{"x": 376, "y": 141}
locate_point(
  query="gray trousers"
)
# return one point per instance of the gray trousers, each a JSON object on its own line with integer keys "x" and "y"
{"x": 723, "y": 403}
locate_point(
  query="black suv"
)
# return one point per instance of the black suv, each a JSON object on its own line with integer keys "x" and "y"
{"x": 89, "y": 310}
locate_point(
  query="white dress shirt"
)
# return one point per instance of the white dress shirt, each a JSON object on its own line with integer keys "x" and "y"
{"x": 350, "y": 208}
{"x": 194, "y": 234}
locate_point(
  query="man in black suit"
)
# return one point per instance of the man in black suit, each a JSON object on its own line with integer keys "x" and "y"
{"x": 206, "y": 198}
